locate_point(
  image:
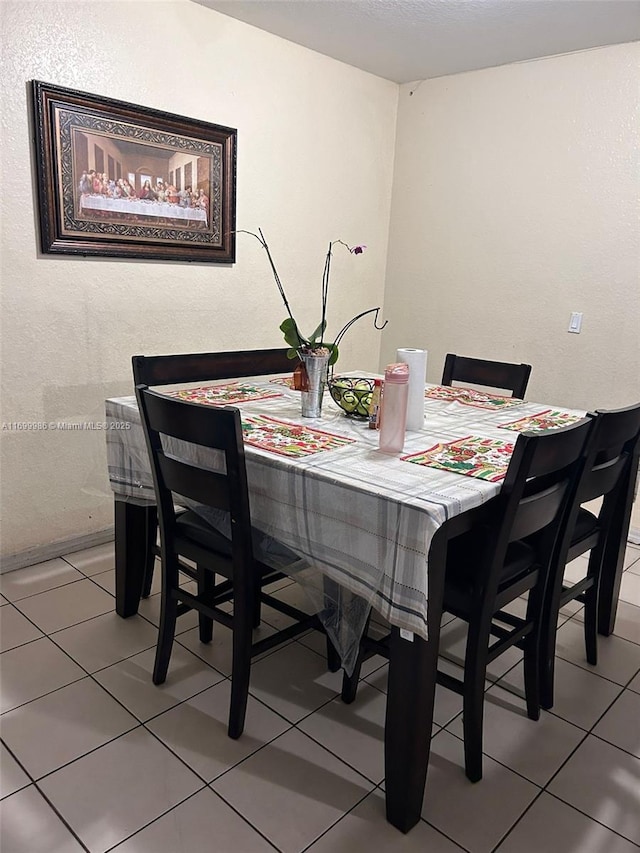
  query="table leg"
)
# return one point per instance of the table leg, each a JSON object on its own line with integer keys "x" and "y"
{"x": 615, "y": 548}
{"x": 410, "y": 698}
{"x": 135, "y": 531}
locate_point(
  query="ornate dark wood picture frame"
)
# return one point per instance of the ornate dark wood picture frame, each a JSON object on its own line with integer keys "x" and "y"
{"x": 120, "y": 180}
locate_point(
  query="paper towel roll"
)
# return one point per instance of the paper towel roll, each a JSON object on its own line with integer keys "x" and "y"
{"x": 417, "y": 361}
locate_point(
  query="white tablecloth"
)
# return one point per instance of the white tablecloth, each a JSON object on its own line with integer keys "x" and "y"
{"x": 365, "y": 519}
{"x": 140, "y": 207}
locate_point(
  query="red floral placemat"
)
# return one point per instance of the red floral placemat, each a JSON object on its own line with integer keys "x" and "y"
{"x": 471, "y": 397}
{"x": 549, "y": 419}
{"x": 485, "y": 458}
{"x": 284, "y": 380}
{"x": 289, "y": 439}
{"x": 228, "y": 394}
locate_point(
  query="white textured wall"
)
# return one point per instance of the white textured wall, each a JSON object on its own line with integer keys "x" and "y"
{"x": 515, "y": 202}
{"x": 315, "y": 159}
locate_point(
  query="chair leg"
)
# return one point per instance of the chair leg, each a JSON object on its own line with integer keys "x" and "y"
{"x": 548, "y": 630}
{"x": 350, "y": 682}
{"x": 243, "y": 616}
{"x": 332, "y": 593}
{"x": 257, "y": 603}
{"x": 333, "y": 658}
{"x": 547, "y": 667}
{"x": 167, "y": 629}
{"x": 591, "y": 625}
{"x": 150, "y": 556}
{"x": 532, "y": 653}
{"x": 206, "y": 582}
{"x": 475, "y": 668}
{"x": 592, "y": 603}
{"x": 532, "y": 676}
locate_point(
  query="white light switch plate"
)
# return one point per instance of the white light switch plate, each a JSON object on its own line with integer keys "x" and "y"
{"x": 575, "y": 322}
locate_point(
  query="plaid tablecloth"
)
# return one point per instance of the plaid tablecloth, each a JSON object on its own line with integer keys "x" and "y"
{"x": 359, "y": 516}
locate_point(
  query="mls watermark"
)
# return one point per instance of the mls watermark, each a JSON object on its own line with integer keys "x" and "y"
{"x": 63, "y": 426}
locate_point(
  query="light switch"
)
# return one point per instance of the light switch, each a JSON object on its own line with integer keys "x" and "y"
{"x": 575, "y": 322}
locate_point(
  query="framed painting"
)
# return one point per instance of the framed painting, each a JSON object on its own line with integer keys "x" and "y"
{"x": 120, "y": 180}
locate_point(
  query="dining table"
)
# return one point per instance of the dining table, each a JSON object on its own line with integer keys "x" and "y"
{"x": 372, "y": 524}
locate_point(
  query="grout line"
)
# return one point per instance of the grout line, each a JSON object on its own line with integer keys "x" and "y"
{"x": 291, "y": 725}
{"x": 513, "y": 826}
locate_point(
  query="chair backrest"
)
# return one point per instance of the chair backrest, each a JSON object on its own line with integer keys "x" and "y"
{"x": 614, "y": 445}
{"x": 199, "y": 367}
{"x": 538, "y": 487}
{"x": 611, "y": 454}
{"x": 208, "y": 427}
{"x": 493, "y": 374}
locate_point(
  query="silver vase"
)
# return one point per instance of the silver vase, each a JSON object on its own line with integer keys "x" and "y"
{"x": 316, "y": 367}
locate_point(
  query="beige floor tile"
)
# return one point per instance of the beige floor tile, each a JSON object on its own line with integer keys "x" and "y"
{"x": 203, "y": 822}
{"x": 476, "y": 816}
{"x": 150, "y": 609}
{"x": 28, "y": 824}
{"x": 355, "y": 733}
{"x": 196, "y": 731}
{"x": 292, "y": 594}
{"x": 317, "y": 641}
{"x": 631, "y": 556}
{"x": 618, "y": 659}
{"x": 453, "y": 639}
{"x": 621, "y": 724}
{"x": 63, "y": 725}
{"x": 117, "y": 789}
{"x": 630, "y": 588}
{"x": 106, "y": 580}
{"x": 292, "y": 776}
{"x": 54, "y": 714}
{"x": 69, "y": 605}
{"x": 551, "y": 826}
{"x": 627, "y": 622}
{"x": 293, "y": 681}
{"x": 535, "y": 749}
{"x": 580, "y": 696}
{"x": 12, "y": 776}
{"x": 130, "y": 681}
{"x": 32, "y": 670}
{"x": 447, "y": 704}
{"x": 602, "y": 781}
{"x": 218, "y": 652}
{"x": 105, "y": 640}
{"x": 92, "y": 561}
{"x": 16, "y": 629}
{"x": 576, "y": 569}
{"x": 38, "y": 578}
{"x": 366, "y": 830}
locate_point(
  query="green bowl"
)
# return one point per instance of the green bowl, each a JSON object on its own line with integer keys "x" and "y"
{"x": 352, "y": 394}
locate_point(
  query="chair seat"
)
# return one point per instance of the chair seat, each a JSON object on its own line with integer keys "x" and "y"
{"x": 586, "y": 525}
{"x": 270, "y": 554}
{"x": 189, "y": 525}
{"x": 462, "y": 567}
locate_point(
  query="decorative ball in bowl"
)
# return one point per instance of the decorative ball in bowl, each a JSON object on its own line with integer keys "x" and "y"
{"x": 352, "y": 394}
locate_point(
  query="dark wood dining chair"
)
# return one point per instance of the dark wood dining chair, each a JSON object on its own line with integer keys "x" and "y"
{"x": 189, "y": 536}
{"x": 609, "y": 472}
{"x": 208, "y": 366}
{"x": 493, "y": 374}
{"x": 490, "y": 565}
{"x": 176, "y": 369}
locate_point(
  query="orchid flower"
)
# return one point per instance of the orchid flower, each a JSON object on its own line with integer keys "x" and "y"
{"x": 298, "y": 343}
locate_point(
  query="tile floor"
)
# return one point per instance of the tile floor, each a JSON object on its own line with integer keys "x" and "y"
{"x": 95, "y": 758}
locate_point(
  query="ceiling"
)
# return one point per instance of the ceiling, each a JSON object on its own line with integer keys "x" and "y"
{"x": 409, "y": 40}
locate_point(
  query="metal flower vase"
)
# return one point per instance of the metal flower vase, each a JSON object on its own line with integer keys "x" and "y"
{"x": 316, "y": 367}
